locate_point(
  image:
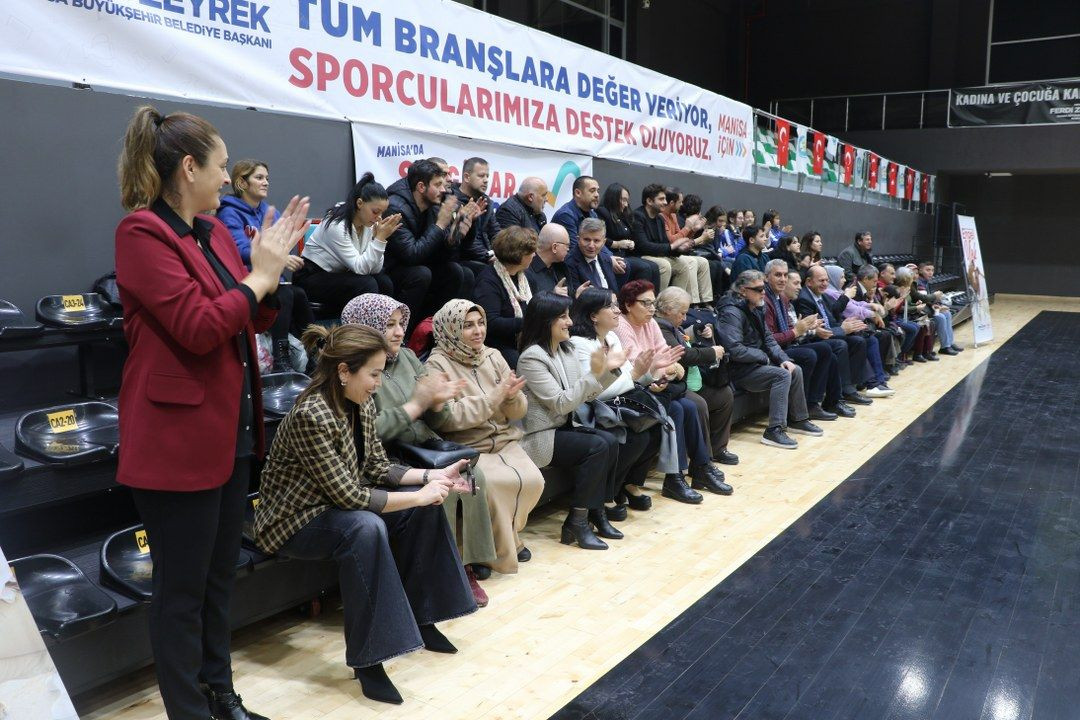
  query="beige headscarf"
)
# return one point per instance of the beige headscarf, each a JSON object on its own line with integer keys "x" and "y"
{"x": 448, "y": 326}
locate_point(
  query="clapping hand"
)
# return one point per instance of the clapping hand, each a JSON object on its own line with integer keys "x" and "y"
{"x": 270, "y": 247}
{"x": 508, "y": 388}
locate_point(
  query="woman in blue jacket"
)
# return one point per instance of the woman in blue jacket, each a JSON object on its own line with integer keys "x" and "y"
{"x": 242, "y": 213}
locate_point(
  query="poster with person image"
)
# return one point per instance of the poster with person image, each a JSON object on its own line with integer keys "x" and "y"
{"x": 975, "y": 277}
{"x": 30, "y": 687}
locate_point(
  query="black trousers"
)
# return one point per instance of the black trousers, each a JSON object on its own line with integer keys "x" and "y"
{"x": 818, "y": 368}
{"x": 719, "y": 405}
{"x": 194, "y": 543}
{"x": 411, "y": 285}
{"x": 859, "y": 372}
{"x": 397, "y": 571}
{"x": 336, "y": 289}
{"x": 590, "y": 456}
{"x": 639, "y": 269}
{"x": 637, "y": 455}
{"x": 448, "y": 281}
{"x": 294, "y": 314}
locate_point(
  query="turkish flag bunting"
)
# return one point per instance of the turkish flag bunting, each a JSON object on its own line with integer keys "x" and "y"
{"x": 924, "y": 189}
{"x": 909, "y": 183}
{"x": 893, "y": 169}
{"x": 783, "y": 136}
{"x": 819, "y": 151}
{"x": 872, "y": 182}
{"x": 848, "y": 164}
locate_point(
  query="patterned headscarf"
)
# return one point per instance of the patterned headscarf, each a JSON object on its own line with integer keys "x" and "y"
{"x": 448, "y": 326}
{"x": 374, "y": 311}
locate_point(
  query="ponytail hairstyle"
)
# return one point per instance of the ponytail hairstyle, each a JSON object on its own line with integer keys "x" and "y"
{"x": 353, "y": 345}
{"x": 242, "y": 170}
{"x": 154, "y": 146}
{"x": 365, "y": 190}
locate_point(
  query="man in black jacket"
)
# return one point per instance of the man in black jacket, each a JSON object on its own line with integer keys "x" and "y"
{"x": 432, "y": 226}
{"x": 548, "y": 269}
{"x": 855, "y": 256}
{"x": 526, "y": 207}
{"x": 758, "y": 364}
{"x": 476, "y": 252}
{"x": 677, "y": 264}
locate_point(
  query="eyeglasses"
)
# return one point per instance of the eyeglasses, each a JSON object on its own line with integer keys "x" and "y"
{"x": 561, "y": 243}
{"x": 647, "y": 303}
{"x": 759, "y": 288}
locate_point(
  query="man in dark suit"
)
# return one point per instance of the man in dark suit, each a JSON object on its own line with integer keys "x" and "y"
{"x": 813, "y": 301}
{"x": 586, "y": 263}
{"x": 548, "y": 268}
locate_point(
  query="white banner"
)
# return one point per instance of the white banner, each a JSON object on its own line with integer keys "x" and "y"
{"x": 430, "y": 65}
{"x": 976, "y": 279}
{"x": 388, "y": 152}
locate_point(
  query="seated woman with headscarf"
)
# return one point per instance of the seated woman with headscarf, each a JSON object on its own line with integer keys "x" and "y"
{"x": 481, "y": 418}
{"x": 409, "y": 402}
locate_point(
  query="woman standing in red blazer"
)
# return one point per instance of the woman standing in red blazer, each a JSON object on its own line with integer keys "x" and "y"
{"x": 190, "y": 399}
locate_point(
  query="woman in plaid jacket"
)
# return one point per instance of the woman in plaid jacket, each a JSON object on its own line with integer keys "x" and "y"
{"x": 330, "y": 492}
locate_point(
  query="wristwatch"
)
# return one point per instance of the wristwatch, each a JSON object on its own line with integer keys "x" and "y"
{"x": 424, "y": 480}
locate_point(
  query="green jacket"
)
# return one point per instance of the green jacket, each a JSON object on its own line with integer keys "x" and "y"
{"x": 393, "y": 422}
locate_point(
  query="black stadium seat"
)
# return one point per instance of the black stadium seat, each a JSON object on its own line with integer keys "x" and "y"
{"x": 280, "y": 391}
{"x": 126, "y": 563}
{"x": 14, "y": 324}
{"x": 10, "y": 463}
{"x": 62, "y": 600}
{"x": 69, "y": 434}
{"x": 81, "y": 311}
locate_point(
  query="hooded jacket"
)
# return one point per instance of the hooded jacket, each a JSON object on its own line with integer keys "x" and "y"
{"x": 418, "y": 240}
{"x": 236, "y": 215}
{"x": 746, "y": 338}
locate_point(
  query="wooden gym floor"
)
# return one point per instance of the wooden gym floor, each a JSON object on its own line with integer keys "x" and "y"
{"x": 570, "y": 616}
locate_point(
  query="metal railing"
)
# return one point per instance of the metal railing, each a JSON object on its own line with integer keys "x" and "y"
{"x": 914, "y": 109}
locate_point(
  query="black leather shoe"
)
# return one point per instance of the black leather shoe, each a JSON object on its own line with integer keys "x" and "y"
{"x": 857, "y": 398}
{"x": 947, "y": 351}
{"x": 482, "y": 572}
{"x": 575, "y": 529}
{"x": 843, "y": 410}
{"x": 726, "y": 457}
{"x": 524, "y": 555}
{"x": 675, "y": 488}
{"x": 918, "y": 358}
{"x": 598, "y": 519}
{"x": 615, "y": 514}
{"x": 641, "y": 502}
{"x": 956, "y": 348}
{"x": 228, "y": 705}
{"x": 932, "y": 357}
{"x": 819, "y": 413}
{"x": 710, "y": 479}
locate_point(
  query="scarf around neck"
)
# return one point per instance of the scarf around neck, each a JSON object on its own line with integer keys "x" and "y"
{"x": 519, "y": 295}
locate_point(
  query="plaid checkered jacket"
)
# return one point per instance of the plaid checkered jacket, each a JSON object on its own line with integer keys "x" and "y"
{"x": 313, "y": 467}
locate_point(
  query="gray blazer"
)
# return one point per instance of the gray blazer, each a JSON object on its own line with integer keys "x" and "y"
{"x": 550, "y": 399}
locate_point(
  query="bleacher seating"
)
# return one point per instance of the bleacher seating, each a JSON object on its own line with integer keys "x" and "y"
{"x": 81, "y": 311}
{"x": 280, "y": 391}
{"x": 13, "y": 323}
{"x": 62, "y": 600}
{"x": 70, "y": 434}
{"x": 10, "y": 463}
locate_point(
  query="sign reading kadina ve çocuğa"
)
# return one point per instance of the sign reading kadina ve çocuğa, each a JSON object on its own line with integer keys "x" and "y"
{"x": 1036, "y": 103}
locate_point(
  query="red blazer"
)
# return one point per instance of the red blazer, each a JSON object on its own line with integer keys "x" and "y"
{"x": 180, "y": 393}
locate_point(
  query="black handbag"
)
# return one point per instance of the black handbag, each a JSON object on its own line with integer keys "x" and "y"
{"x": 433, "y": 454}
{"x": 636, "y": 409}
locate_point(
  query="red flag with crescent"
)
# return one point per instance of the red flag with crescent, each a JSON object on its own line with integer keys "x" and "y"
{"x": 819, "y": 151}
{"x": 872, "y": 181}
{"x": 909, "y": 183}
{"x": 924, "y": 189}
{"x": 893, "y": 169}
{"x": 783, "y": 137}
{"x": 848, "y": 164}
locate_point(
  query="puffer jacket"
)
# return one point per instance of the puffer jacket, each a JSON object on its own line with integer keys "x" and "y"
{"x": 476, "y": 245}
{"x": 746, "y": 338}
{"x": 418, "y": 240}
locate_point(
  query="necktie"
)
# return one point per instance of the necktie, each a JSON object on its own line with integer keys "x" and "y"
{"x": 822, "y": 310}
{"x": 598, "y": 274}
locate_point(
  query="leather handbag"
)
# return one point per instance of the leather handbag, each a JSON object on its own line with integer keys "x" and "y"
{"x": 433, "y": 454}
{"x": 635, "y": 409}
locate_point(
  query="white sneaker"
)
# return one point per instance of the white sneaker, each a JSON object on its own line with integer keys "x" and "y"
{"x": 878, "y": 392}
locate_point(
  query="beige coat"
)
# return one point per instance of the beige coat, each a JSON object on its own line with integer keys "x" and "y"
{"x": 513, "y": 482}
{"x": 472, "y": 419}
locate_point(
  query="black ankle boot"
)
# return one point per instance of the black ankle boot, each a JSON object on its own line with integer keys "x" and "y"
{"x": 604, "y": 528}
{"x": 706, "y": 477}
{"x": 435, "y": 641}
{"x": 616, "y": 513}
{"x": 675, "y": 487}
{"x": 640, "y": 502}
{"x": 576, "y": 529}
{"x": 227, "y": 705}
{"x": 282, "y": 360}
{"x": 376, "y": 685}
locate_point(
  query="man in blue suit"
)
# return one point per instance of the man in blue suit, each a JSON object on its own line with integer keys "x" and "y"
{"x": 586, "y": 262}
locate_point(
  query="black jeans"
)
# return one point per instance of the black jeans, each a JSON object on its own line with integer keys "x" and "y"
{"x": 590, "y": 456}
{"x": 720, "y": 402}
{"x": 336, "y": 289}
{"x": 411, "y": 283}
{"x": 294, "y": 314}
{"x": 859, "y": 372}
{"x": 397, "y": 571}
{"x": 194, "y": 542}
